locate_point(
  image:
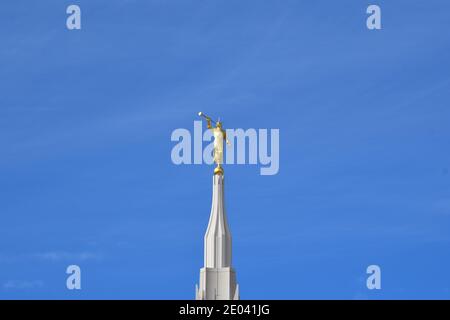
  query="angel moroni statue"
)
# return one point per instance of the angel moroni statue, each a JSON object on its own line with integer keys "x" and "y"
{"x": 217, "y": 277}
{"x": 220, "y": 136}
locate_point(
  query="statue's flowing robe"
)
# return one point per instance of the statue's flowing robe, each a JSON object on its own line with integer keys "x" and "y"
{"x": 218, "y": 145}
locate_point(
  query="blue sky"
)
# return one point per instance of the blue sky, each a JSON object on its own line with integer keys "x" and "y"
{"x": 85, "y": 124}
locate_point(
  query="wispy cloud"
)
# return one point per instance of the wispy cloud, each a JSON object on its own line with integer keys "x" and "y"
{"x": 22, "y": 284}
{"x": 67, "y": 256}
{"x": 52, "y": 256}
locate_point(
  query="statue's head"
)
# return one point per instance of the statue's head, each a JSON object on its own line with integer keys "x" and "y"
{"x": 219, "y": 124}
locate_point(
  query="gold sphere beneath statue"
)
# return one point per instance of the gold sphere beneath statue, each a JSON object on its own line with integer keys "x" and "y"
{"x": 218, "y": 170}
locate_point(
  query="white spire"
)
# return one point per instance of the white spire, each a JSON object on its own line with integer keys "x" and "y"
{"x": 217, "y": 278}
{"x": 218, "y": 236}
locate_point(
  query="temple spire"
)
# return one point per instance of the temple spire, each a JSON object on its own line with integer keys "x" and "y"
{"x": 217, "y": 277}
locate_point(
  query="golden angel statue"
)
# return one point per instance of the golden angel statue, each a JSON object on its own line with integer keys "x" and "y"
{"x": 219, "y": 137}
